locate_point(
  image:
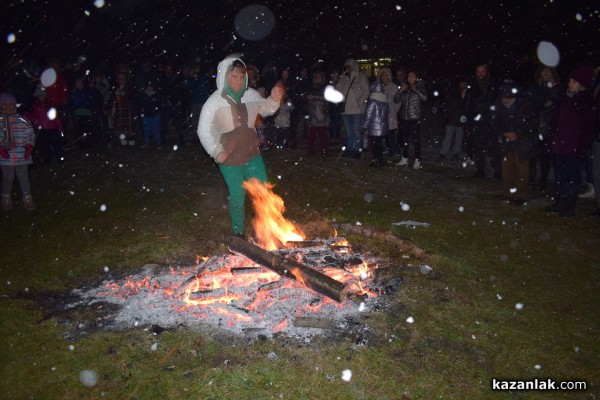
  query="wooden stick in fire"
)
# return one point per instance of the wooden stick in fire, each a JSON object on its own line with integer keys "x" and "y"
{"x": 313, "y": 279}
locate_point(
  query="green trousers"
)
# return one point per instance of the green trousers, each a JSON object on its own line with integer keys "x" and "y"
{"x": 234, "y": 177}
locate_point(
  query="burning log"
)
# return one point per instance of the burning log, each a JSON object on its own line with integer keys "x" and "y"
{"x": 204, "y": 294}
{"x": 245, "y": 270}
{"x": 307, "y": 276}
{"x": 303, "y": 243}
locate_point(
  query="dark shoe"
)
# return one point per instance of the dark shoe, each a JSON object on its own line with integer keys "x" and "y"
{"x": 517, "y": 201}
{"x": 356, "y": 155}
{"x": 455, "y": 157}
{"x": 557, "y": 206}
{"x": 595, "y": 213}
{"x": 375, "y": 164}
{"x": 441, "y": 157}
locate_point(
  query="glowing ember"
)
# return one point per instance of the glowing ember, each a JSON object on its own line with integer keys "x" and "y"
{"x": 271, "y": 228}
{"x": 214, "y": 294}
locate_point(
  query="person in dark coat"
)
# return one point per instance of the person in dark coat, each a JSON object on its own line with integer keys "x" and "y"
{"x": 483, "y": 97}
{"x": 513, "y": 121}
{"x": 545, "y": 93}
{"x": 456, "y": 116}
{"x": 572, "y": 131}
{"x": 376, "y": 122}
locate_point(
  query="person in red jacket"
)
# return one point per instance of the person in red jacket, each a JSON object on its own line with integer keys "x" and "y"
{"x": 571, "y": 136}
{"x": 49, "y": 127}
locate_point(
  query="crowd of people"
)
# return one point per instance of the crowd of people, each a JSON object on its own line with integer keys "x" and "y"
{"x": 521, "y": 131}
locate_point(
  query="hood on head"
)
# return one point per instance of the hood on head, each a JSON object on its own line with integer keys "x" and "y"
{"x": 7, "y": 98}
{"x": 223, "y": 68}
{"x": 387, "y": 71}
{"x": 352, "y": 62}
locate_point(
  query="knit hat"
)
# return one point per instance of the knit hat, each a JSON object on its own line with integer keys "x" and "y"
{"x": 7, "y": 98}
{"x": 583, "y": 75}
{"x": 509, "y": 88}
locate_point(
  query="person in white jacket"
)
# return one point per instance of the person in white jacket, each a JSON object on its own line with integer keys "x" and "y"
{"x": 227, "y": 133}
{"x": 354, "y": 85}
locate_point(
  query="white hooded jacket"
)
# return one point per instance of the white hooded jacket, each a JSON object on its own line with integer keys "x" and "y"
{"x": 229, "y": 126}
{"x": 356, "y": 86}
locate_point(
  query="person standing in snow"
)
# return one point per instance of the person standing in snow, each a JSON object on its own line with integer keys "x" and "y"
{"x": 513, "y": 122}
{"x": 572, "y": 131}
{"x": 390, "y": 90}
{"x": 354, "y": 85}
{"x": 227, "y": 132}
{"x": 318, "y": 115}
{"x": 485, "y": 142}
{"x": 16, "y": 145}
{"x": 411, "y": 96}
{"x": 376, "y": 122}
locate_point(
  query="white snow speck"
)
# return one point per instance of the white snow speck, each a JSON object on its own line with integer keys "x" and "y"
{"x": 425, "y": 269}
{"x": 88, "y": 377}
{"x": 410, "y": 320}
{"x": 154, "y": 347}
{"x": 499, "y": 297}
{"x": 175, "y": 147}
{"x": 106, "y": 268}
{"x": 71, "y": 192}
{"x": 579, "y": 17}
{"x": 473, "y": 337}
{"x": 332, "y": 95}
{"x": 436, "y": 93}
{"x": 362, "y": 306}
{"x": 404, "y": 206}
{"x": 279, "y": 177}
{"x": 346, "y": 375}
{"x": 538, "y": 367}
{"x": 48, "y": 77}
{"x": 103, "y": 207}
{"x": 368, "y": 197}
{"x": 51, "y": 114}
{"x": 519, "y": 306}
{"x": 461, "y": 209}
{"x": 548, "y": 54}
{"x": 99, "y": 3}
{"x": 11, "y": 38}
{"x": 398, "y": 7}
{"x": 71, "y": 347}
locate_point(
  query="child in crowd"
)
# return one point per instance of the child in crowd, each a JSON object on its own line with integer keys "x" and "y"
{"x": 572, "y": 131}
{"x": 282, "y": 122}
{"x": 376, "y": 122}
{"x": 16, "y": 145}
{"x": 150, "y": 110}
{"x": 318, "y": 115}
{"x": 513, "y": 121}
{"x": 48, "y": 126}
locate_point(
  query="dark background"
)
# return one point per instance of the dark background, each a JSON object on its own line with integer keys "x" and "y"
{"x": 441, "y": 38}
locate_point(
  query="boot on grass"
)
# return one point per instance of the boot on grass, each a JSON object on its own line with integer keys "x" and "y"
{"x": 6, "y": 202}
{"x": 28, "y": 203}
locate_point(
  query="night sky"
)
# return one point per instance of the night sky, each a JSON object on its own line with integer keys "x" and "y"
{"x": 438, "y": 38}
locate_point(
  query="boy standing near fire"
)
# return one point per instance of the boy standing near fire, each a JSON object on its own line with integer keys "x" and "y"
{"x": 227, "y": 133}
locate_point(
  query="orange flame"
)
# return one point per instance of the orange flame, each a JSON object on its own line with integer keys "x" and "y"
{"x": 271, "y": 228}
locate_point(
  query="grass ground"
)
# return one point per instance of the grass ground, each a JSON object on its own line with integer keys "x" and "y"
{"x": 166, "y": 207}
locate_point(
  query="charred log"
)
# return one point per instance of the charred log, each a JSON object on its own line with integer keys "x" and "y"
{"x": 305, "y": 275}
